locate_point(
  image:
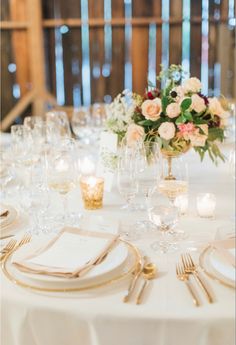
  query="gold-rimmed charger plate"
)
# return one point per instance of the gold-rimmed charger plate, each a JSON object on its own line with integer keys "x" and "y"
{"x": 132, "y": 260}
{"x": 6, "y": 222}
{"x": 210, "y": 271}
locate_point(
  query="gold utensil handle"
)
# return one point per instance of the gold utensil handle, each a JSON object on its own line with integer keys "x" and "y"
{"x": 140, "y": 295}
{"x": 193, "y": 294}
{"x": 204, "y": 288}
{"x": 131, "y": 287}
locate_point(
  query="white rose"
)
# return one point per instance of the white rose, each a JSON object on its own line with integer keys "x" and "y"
{"x": 216, "y": 108}
{"x": 192, "y": 85}
{"x": 173, "y": 110}
{"x": 167, "y": 130}
{"x": 198, "y": 103}
{"x": 151, "y": 109}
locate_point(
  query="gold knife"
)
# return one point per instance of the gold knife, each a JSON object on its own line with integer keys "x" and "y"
{"x": 134, "y": 280}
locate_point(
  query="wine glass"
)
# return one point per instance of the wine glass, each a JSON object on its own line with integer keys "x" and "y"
{"x": 165, "y": 218}
{"x": 126, "y": 179}
{"x": 98, "y": 117}
{"x": 62, "y": 172}
{"x": 232, "y": 163}
{"x": 148, "y": 164}
{"x": 174, "y": 184}
{"x": 59, "y": 120}
{"x": 81, "y": 124}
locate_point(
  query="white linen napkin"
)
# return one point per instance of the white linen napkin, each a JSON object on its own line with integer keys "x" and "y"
{"x": 71, "y": 254}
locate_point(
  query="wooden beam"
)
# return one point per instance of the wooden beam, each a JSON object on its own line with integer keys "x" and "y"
{"x": 19, "y": 43}
{"x": 6, "y": 25}
{"x": 18, "y": 109}
{"x": 74, "y": 22}
{"x": 36, "y": 53}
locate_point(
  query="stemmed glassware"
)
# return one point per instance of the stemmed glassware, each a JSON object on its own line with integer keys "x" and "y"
{"x": 164, "y": 217}
{"x": 62, "y": 171}
{"x": 126, "y": 177}
{"x": 81, "y": 124}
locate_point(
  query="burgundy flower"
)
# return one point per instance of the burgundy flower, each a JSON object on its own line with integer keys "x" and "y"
{"x": 150, "y": 95}
{"x": 215, "y": 122}
{"x": 204, "y": 97}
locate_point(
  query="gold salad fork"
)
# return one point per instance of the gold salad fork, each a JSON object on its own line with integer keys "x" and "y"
{"x": 191, "y": 268}
{"x": 25, "y": 239}
{"x": 184, "y": 277}
{"x": 10, "y": 245}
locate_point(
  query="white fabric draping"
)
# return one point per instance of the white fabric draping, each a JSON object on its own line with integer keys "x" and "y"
{"x": 167, "y": 316}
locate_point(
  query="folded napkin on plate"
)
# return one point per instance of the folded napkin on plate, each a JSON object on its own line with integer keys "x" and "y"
{"x": 71, "y": 254}
{"x": 226, "y": 248}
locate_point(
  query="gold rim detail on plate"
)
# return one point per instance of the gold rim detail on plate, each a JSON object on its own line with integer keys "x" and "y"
{"x": 210, "y": 274}
{"x": 131, "y": 248}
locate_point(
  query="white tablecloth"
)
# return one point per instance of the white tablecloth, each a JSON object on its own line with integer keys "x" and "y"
{"x": 167, "y": 317}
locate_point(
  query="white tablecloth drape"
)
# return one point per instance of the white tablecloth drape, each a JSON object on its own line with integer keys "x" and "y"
{"x": 167, "y": 316}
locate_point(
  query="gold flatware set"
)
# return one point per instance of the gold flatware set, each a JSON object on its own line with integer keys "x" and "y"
{"x": 184, "y": 271}
{"x": 147, "y": 271}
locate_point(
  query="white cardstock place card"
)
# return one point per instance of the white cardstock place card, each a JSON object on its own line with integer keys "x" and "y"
{"x": 107, "y": 158}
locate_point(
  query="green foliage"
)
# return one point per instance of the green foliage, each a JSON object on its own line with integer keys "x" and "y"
{"x": 215, "y": 133}
{"x": 185, "y": 104}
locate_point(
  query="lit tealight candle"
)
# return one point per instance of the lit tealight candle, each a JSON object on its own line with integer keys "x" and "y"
{"x": 92, "y": 192}
{"x": 206, "y": 203}
{"x": 87, "y": 167}
{"x": 181, "y": 202}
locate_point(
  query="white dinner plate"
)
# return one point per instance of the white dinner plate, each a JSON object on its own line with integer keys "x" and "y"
{"x": 217, "y": 267}
{"x": 107, "y": 268}
{"x": 5, "y": 222}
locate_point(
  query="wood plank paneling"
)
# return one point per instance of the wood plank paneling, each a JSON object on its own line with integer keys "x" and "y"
{"x": 116, "y": 81}
{"x": 196, "y": 41}
{"x": 96, "y": 44}
{"x": 157, "y": 13}
{"x": 175, "y": 44}
{"x": 140, "y": 37}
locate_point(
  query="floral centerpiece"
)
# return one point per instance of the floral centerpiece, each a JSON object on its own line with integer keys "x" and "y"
{"x": 178, "y": 116}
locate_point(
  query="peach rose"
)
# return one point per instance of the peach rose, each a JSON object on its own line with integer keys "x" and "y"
{"x": 173, "y": 110}
{"x": 151, "y": 109}
{"x": 134, "y": 133}
{"x": 192, "y": 85}
{"x": 216, "y": 108}
{"x": 167, "y": 130}
{"x": 198, "y": 103}
{"x": 198, "y": 139}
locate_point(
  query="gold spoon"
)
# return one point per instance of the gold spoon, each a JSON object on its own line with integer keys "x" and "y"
{"x": 149, "y": 272}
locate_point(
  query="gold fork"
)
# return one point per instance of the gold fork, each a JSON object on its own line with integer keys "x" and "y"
{"x": 182, "y": 276}
{"x": 191, "y": 268}
{"x": 25, "y": 239}
{"x": 10, "y": 245}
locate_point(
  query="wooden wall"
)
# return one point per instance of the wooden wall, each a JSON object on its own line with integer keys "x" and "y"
{"x": 96, "y": 48}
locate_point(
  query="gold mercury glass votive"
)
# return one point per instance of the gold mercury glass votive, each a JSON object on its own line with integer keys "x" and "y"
{"x": 92, "y": 192}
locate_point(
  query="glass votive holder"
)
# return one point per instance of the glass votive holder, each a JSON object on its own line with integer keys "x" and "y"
{"x": 181, "y": 202}
{"x": 92, "y": 188}
{"x": 206, "y": 203}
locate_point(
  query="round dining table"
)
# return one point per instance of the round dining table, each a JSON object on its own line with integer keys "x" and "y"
{"x": 167, "y": 315}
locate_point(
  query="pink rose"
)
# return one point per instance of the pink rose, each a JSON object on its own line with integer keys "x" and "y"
{"x": 167, "y": 130}
{"x": 151, "y": 109}
{"x": 173, "y": 110}
{"x": 185, "y": 129}
{"x": 192, "y": 85}
{"x": 216, "y": 108}
{"x": 198, "y": 103}
{"x": 134, "y": 133}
